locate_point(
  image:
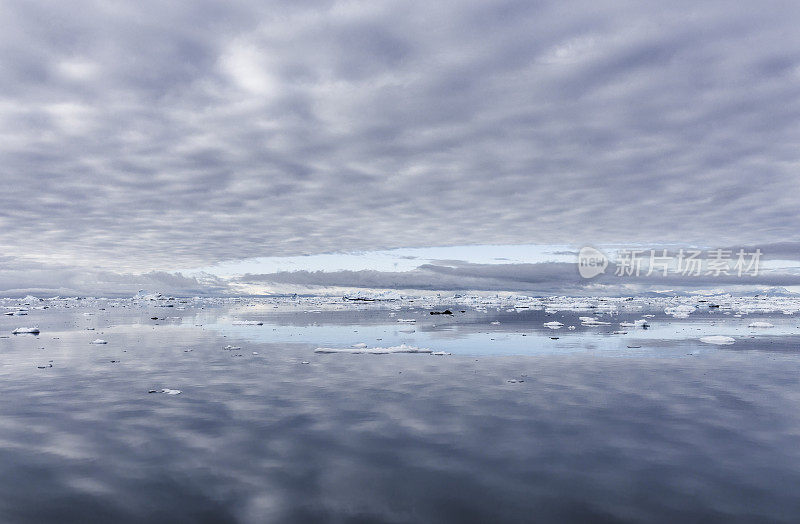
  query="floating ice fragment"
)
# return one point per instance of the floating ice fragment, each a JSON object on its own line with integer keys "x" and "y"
{"x": 682, "y": 311}
{"x": 247, "y": 323}
{"x": 760, "y": 325}
{"x": 171, "y": 391}
{"x": 553, "y": 325}
{"x": 406, "y": 319}
{"x": 593, "y": 322}
{"x": 402, "y": 348}
{"x": 98, "y": 341}
{"x": 32, "y": 330}
{"x": 440, "y": 353}
{"x": 718, "y": 340}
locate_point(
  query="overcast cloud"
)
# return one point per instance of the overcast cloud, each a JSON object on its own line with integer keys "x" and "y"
{"x": 157, "y": 136}
{"x": 545, "y": 278}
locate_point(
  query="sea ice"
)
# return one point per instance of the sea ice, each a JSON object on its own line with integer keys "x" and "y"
{"x": 760, "y": 325}
{"x": 553, "y": 325}
{"x": 402, "y": 348}
{"x": 718, "y": 340}
{"x": 589, "y": 321}
{"x": 98, "y": 341}
{"x": 247, "y": 323}
{"x": 32, "y": 330}
{"x": 171, "y": 391}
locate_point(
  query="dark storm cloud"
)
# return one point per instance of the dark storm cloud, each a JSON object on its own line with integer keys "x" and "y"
{"x": 147, "y": 135}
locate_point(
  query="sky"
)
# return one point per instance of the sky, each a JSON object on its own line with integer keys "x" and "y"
{"x": 184, "y": 145}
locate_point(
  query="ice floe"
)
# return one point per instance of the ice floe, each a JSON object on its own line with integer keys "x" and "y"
{"x": 592, "y": 321}
{"x": 166, "y": 391}
{"x": 98, "y": 341}
{"x": 760, "y": 325}
{"x": 361, "y": 348}
{"x": 31, "y": 330}
{"x": 718, "y": 340}
{"x": 555, "y": 324}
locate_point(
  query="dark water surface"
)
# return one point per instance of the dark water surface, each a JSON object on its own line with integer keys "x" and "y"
{"x": 591, "y": 430}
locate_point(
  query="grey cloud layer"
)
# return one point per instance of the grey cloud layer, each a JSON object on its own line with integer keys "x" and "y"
{"x": 540, "y": 278}
{"x": 164, "y": 135}
{"x": 21, "y": 278}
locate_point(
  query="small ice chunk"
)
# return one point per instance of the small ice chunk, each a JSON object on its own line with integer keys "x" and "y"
{"x": 719, "y": 340}
{"x": 589, "y": 321}
{"x": 407, "y": 320}
{"x": 760, "y": 325}
{"x": 440, "y": 353}
{"x": 553, "y": 325}
{"x": 231, "y": 348}
{"x": 495, "y": 323}
{"x": 32, "y": 330}
{"x": 98, "y": 341}
{"x": 171, "y": 391}
{"x": 247, "y": 323}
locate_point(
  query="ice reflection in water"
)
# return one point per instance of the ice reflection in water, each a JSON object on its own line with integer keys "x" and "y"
{"x": 581, "y": 435}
